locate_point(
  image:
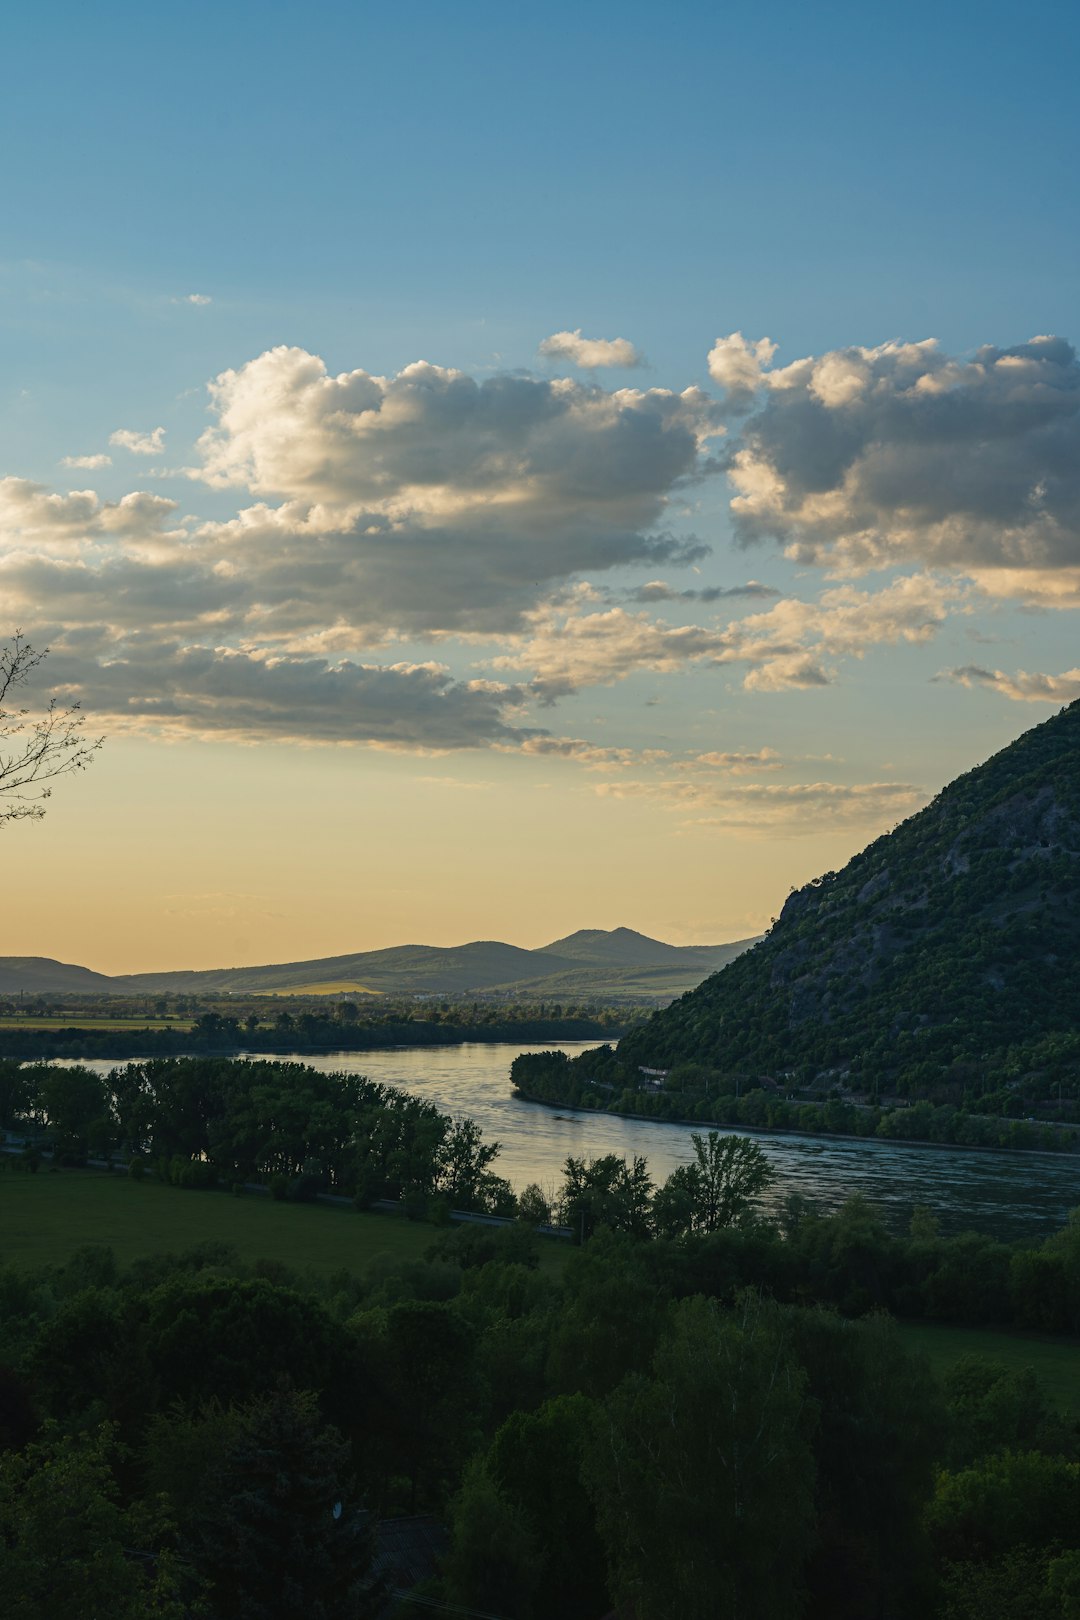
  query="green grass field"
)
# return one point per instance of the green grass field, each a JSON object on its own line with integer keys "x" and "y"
{"x": 46, "y": 1217}
{"x": 1056, "y": 1361}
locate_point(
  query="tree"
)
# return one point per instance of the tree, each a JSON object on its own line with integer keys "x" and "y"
{"x": 716, "y": 1189}
{"x": 67, "y": 1545}
{"x": 35, "y": 751}
{"x": 703, "y": 1475}
{"x": 265, "y": 1500}
{"x": 524, "y": 1532}
{"x": 878, "y": 1437}
{"x": 607, "y": 1192}
{"x": 73, "y": 1102}
{"x": 533, "y": 1207}
{"x": 463, "y": 1164}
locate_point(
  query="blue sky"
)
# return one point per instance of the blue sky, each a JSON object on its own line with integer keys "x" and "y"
{"x": 375, "y": 187}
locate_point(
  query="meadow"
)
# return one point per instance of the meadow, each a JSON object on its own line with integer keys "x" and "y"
{"x": 44, "y": 1218}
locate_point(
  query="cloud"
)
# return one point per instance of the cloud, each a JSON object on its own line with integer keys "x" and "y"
{"x": 32, "y": 516}
{"x": 199, "y": 299}
{"x": 1021, "y": 687}
{"x": 373, "y": 514}
{"x": 765, "y": 759}
{"x": 768, "y": 808}
{"x": 781, "y": 649}
{"x": 902, "y": 454}
{"x": 149, "y": 681}
{"x": 437, "y": 502}
{"x": 566, "y": 652}
{"x": 139, "y": 444}
{"x": 590, "y": 353}
{"x": 657, "y": 590}
{"x": 87, "y": 463}
{"x": 428, "y": 504}
{"x": 311, "y": 566}
{"x": 738, "y": 365}
{"x": 1034, "y": 587}
{"x": 593, "y": 756}
{"x": 436, "y": 445}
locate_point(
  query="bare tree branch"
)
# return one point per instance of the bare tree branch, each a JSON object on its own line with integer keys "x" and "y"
{"x": 35, "y": 750}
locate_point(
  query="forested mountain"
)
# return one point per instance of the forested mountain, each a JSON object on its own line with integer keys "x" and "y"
{"x": 589, "y": 964}
{"x": 948, "y": 950}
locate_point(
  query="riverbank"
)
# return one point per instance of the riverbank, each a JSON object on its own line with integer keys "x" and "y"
{"x": 806, "y": 1136}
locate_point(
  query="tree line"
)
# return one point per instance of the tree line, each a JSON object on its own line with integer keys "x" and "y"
{"x": 214, "y": 1122}
{"x": 336, "y": 1026}
{"x": 599, "y": 1079}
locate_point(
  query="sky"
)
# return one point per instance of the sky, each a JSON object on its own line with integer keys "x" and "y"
{"x": 493, "y": 471}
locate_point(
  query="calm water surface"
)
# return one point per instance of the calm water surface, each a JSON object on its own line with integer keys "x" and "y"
{"x": 1012, "y": 1195}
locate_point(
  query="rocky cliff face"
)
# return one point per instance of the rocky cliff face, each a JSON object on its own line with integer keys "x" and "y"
{"x": 955, "y": 937}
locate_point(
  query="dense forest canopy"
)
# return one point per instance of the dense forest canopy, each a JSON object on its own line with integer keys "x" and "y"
{"x": 723, "y": 1420}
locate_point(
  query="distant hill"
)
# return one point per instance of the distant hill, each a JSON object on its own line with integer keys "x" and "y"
{"x": 624, "y": 948}
{"x": 591, "y": 964}
{"x": 40, "y": 974}
{"x": 946, "y": 953}
{"x": 402, "y": 969}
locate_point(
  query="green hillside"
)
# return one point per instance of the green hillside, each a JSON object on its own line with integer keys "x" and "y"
{"x": 941, "y": 961}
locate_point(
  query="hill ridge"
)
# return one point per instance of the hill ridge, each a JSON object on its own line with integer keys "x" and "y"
{"x": 478, "y": 966}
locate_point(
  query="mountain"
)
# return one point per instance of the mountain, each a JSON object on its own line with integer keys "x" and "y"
{"x": 36, "y": 974}
{"x": 402, "y": 970}
{"x": 624, "y": 948}
{"x": 621, "y": 964}
{"x": 946, "y": 953}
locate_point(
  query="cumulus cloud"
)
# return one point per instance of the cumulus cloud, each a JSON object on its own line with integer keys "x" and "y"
{"x": 272, "y": 598}
{"x": 139, "y": 444}
{"x": 769, "y": 808}
{"x": 198, "y": 299}
{"x": 902, "y": 454}
{"x": 590, "y": 353}
{"x": 434, "y": 501}
{"x": 436, "y": 445}
{"x": 87, "y": 463}
{"x": 1021, "y": 687}
{"x": 427, "y": 505}
{"x": 375, "y": 512}
{"x": 739, "y": 365}
{"x": 31, "y": 515}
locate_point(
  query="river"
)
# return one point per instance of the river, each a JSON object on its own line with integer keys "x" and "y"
{"x": 1011, "y": 1195}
